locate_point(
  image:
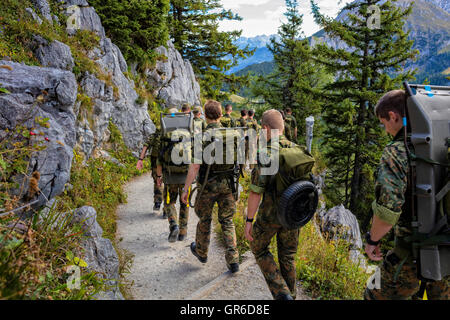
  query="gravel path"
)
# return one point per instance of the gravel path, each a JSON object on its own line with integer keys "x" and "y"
{"x": 168, "y": 271}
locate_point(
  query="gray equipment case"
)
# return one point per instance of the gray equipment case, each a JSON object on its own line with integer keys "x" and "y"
{"x": 429, "y": 118}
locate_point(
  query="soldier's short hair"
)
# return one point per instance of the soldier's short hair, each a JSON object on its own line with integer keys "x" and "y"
{"x": 273, "y": 119}
{"x": 251, "y": 113}
{"x": 228, "y": 107}
{"x": 394, "y": 101}
{"x": 244, "y": 112}
{"x": 197, "y": 110}
{"x": 185, "y": 107}
{"x": 288, "y": 110}
{"x": 213, "y": 110}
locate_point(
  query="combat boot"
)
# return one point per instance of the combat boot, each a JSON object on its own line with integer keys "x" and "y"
{"x": 234, "y": 267}
{"x": 156, "y": 207}
{"x": 181, "y": 237}
{"x": 283, "y": 296}
{"x": 194, "y": 252}
{"x": 174, "y": 230}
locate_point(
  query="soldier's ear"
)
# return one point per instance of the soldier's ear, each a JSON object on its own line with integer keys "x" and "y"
{"x": 394, "y": 115}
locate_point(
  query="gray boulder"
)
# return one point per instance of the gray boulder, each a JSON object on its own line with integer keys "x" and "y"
{"x": 81, "y": 3}
{"x": 34, "y": 15}
{"x": 85, "y": 138}
{"x": 83, "y": 18}
{"x": 55, "y": 54}
{"x": 99, "y": 252}
{"x": 340, "y": 223}
{"x": 48, "y": 93}
{"x": 43, "y": 7}
{"x": 174, "y": 79}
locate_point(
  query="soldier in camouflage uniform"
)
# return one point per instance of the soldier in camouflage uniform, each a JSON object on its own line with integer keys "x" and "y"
{"x": 391, "y": 208}
{"x": 290, "y": 125}
{"x": 153, "y": 144}
{"x": 217, "y": 190}
{"x": 227, "y": 121}
{"x": 199, "y": 123}
{"x": 242, "y": 121}
{"x": 252, "y": 123}
{"x": 177, "y": 227}
{"x": 282, "y": 280}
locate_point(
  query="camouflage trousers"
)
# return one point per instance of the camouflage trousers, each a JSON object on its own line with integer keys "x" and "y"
{"x": 282, "y": 280}
{"x": 170, "y": 209}
{"x": 157, "y": 191}
{"x": 406, "y": 286}
{"x": 204, "y": 205}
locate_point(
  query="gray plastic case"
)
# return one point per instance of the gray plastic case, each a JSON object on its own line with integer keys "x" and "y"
{"x": 429, "y": 113}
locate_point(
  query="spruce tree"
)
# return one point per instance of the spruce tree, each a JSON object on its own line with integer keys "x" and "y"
{"x": 135, "y": 26}
{"x": 194, "y": 28}
{"x": 367, "y": 64}
{"x": 296, "y": 76}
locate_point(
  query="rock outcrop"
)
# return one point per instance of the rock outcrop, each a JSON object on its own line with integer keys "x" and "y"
{"x": 47, "y": 93}
{"x": 100, "y": 254}
{"x": 173, "y": 79}
{"x": 340, "y": 223}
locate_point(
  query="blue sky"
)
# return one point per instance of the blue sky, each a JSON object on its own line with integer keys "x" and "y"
{"x": 265, "y": 16}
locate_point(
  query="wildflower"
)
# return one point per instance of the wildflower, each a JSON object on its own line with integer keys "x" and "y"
{"x": 47, "y": 139}
{"x": 32, "y": 133}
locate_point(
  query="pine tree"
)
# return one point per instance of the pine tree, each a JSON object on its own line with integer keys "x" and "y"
{"x": 135, "y": 26}
{"x": 296, "y": 76}
{"x": 194, "y": 29}
{"x": 367, "y": 65}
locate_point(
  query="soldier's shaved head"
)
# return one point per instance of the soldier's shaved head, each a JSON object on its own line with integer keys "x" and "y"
{"x": 273, "y": 119}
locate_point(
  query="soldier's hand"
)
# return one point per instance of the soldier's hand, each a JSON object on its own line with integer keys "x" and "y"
{"x": 184, "y": 197}
{"x": 374, "y": 252}
{"x": 140, "y": 165}
{"x": 248, "y": 231}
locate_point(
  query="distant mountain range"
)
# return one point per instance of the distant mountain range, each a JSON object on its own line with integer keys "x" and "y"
{"x": 429, "y": 26}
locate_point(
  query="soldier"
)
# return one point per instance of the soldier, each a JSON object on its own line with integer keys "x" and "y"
{"x": 227, "y": 121}
{"x": 177, "y": 227}
{"x": 153, "y": 143}
{"x": 242, "y": 121}
{"x": 199, "y": 123}
{"x": 290, "y": 126}
{"x": 186, "y": 108}
{"x": 282, "y": 281}
{"x": 251, "y": 122}
{"x": 398, "y": 272}
{"x": 215, "y": 188}
{"x": 252, "y": 141}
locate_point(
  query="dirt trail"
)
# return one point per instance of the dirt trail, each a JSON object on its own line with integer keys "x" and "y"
{"x": 168, "y": 271}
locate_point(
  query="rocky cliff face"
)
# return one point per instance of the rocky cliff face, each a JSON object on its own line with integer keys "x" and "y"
{"x": 173, "y": 79}
{"x": 53, "y": 91}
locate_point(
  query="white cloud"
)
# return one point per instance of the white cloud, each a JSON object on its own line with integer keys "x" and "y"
{"x": 265, "y": 16}
{"x": 233, "y": 4}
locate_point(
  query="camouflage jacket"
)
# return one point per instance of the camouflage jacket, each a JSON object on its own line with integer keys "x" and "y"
{"x": 241, "y": 122}
{"x": 199, "y": 125}
{"x": 252, "y": 123}
{"x": 261, "y": 184}
{"x": 290, "y": 124}
{"x": 154, "y": 143}
{"x": 227, "y": 121}
{"x": 392, "y": 196}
